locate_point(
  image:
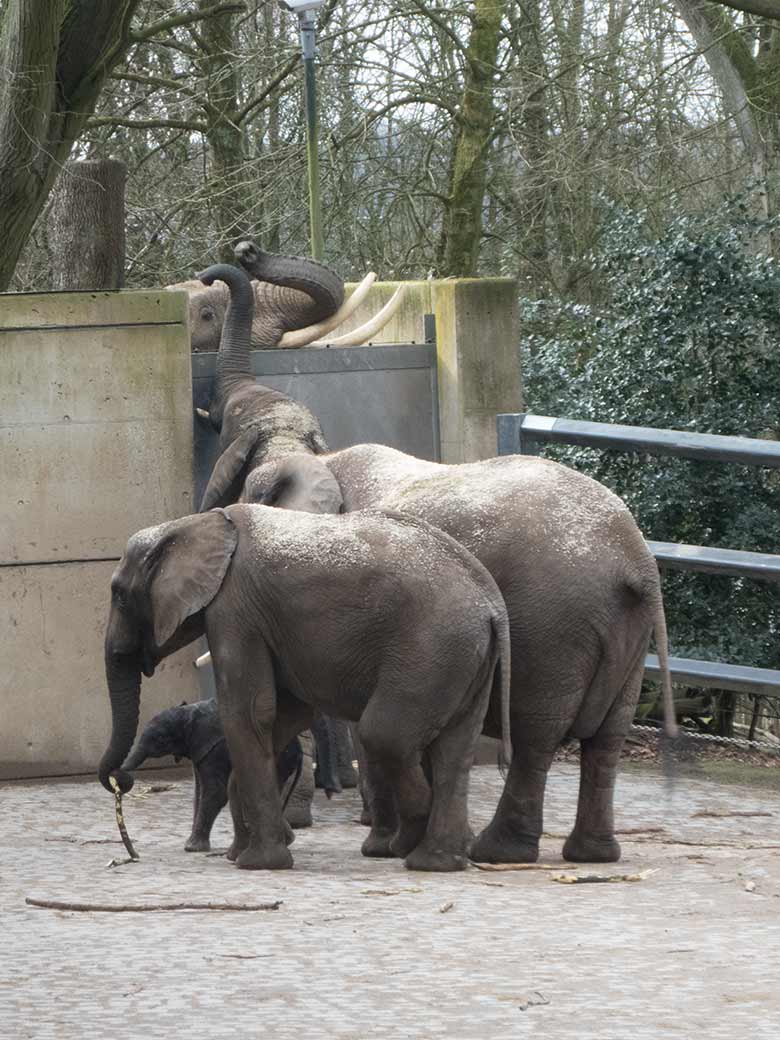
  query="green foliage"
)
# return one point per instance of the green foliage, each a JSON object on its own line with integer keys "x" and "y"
{"x": 687, "y": 337}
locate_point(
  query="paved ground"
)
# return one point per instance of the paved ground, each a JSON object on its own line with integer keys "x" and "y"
{"x": 365, "y": 948}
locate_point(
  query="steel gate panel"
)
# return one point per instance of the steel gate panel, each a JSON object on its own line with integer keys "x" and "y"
{"x": 361, "y": 395}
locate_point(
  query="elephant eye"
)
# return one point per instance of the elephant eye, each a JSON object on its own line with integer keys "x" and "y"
{"x": 207, "y": 315}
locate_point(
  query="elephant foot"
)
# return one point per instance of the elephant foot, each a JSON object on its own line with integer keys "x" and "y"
{"x": 197, "y": 843}
{"x": 298, "y": 816}
{"x": 409, "y": 835}
{"x": 265, "y": 857}
{"x": 378, "y": 845}
{"x": 365, "y": 817}
{"x": 424, "y": 857}
{"x": 234, "y": 852}
{"x": 289, "y": 833}
{"x": 585, "y": 848}
{"x": 498, "y": 844}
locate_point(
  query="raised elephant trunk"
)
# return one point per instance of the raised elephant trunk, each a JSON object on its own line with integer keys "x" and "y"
{"x": 124, "y": 687}
{"x": 233, "y": 359}
{"x": 321, "y": 284}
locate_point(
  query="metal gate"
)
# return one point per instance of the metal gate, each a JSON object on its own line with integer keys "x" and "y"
{"x": 385, "y": 394}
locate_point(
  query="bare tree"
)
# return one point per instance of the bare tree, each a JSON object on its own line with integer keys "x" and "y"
{"x": 746, "y": 67}
{"x": 54, "y": 59}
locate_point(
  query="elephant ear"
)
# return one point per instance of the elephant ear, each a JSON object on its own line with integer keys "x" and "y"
{"x": 300, "y": 482}
{"x": 227, "y": 477}
{"x": 187, "y": 569}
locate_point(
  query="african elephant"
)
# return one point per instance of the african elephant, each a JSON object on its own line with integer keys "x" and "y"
{"x": 581, "y": 588}
{"x": 290, "y": 293}
{"x": 193, "y": 731}
{"x": 371, "y": 617}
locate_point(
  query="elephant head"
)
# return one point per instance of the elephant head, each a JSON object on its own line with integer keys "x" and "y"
{"x": 290, "y": 294}
{"x": 167, "y": 577}
{"x": 301, "y": 482}
{"x": 166, "y": 734}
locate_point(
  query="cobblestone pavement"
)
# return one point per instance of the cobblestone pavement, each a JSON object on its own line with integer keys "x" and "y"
{"x": 363, "y": 948}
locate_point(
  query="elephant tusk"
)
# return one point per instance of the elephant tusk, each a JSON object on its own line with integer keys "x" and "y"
{"x": 202, "y": 413}
{"x": 203, "y": 661}
{"x": 371, "y": 327}
{"x": 302, "y": 337}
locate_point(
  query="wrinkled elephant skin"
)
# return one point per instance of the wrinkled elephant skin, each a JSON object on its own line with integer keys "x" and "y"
{"x": 371, "y": 617}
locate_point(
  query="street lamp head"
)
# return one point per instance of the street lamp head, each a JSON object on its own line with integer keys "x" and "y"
{"x": 301, "y": 6}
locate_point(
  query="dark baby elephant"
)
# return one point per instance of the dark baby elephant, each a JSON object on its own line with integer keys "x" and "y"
{"x": 193, "y": 731}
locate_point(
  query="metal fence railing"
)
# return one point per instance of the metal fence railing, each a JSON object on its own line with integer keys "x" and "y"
{"x": 528, "y": 434}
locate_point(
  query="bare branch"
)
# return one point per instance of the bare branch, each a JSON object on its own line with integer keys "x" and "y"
{"x": 185, "y": 19}
{"x": 761, "y": 8}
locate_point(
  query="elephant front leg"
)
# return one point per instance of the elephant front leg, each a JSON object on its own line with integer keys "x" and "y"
{"x": 399, "y": 795}
{"x": 381, "y": 808}
{"x": 247, "y": 710}
{"x": 241, "y": 835}
{"x": 211, "y": 785}
{"x": 360, "y": 755}
{"x": 400, "y": 801}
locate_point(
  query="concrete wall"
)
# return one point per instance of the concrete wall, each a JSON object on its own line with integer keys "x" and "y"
{"x": 95, "y": 443}
{"x": 477, "y": 338}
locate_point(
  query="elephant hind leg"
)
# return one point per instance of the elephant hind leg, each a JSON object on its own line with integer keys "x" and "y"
{"x": 512, "y": 836}
{"x": 593, "y": 838}
{"x": 447, "y": 836}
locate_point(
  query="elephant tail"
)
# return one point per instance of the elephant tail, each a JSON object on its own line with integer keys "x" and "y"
{"x": 502, "y": 676}
{"x": 662, "y": 646}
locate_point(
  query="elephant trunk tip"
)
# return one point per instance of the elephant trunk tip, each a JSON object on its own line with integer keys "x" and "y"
{"x": 124, "y": 779}
{"x": 206, "y": 277}
{"x": 248, "y": 251}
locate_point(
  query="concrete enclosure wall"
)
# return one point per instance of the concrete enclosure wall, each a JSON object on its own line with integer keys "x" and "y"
{"x": 95, "y": 443}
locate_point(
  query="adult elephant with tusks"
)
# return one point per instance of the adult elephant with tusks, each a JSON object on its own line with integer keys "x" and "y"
{"x": 290, "y": 294}
{"x": 296, "y": 301}
{"x": 582, "y": 590}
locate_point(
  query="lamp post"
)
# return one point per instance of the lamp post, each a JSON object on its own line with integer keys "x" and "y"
{"x": 307, "y": 25}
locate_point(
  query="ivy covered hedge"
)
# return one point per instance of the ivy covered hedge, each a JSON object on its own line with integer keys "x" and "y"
{"x": 686, "y": 336}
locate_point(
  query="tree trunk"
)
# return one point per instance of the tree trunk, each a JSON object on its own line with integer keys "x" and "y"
{"x": 462, "y": 231}
{"x": 750, "y": 84}
{"x": 229, "y": 190}
{"x": 533, "y": 176}
{"x": 86, "y": 231}
{"x": 55, "y": 57}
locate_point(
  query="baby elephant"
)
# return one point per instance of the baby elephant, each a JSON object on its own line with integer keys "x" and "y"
{"x": 372, "y": 617}
{"x": 193, "y": 731}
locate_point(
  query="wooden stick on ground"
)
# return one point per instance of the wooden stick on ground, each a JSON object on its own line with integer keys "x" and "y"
{"x": 121, "y": 820}
{"x": 118, "y": 908}
{"x": 515, "y": 866}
